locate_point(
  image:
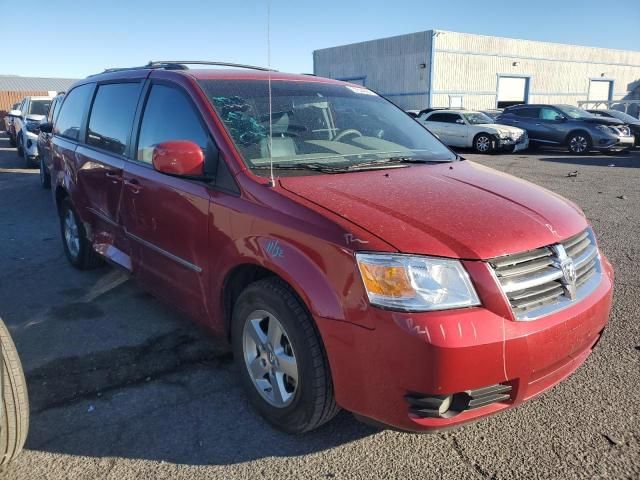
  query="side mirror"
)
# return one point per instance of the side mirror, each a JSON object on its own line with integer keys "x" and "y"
{"x": 460, "y": 121}
{"x": 179, "y": 157}
{"x": 15, "y": 113}
{"x": 561, "y": 118}
{"x": 46, "y": 127}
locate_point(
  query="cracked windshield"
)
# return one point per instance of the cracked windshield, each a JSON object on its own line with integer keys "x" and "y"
{"x": 318, "y": 124}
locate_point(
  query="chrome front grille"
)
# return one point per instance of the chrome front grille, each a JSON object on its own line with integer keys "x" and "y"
{"x": 542, "y": 281}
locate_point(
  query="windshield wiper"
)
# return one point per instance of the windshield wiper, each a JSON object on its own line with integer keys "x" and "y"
{"x": 318, "y": 167}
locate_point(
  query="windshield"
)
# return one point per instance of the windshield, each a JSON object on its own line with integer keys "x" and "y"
{"x": 574, "y": 112}
{"x": 317, "y": 123}
{"x": 477, "y": 118}
{"x": 39, "y": 107}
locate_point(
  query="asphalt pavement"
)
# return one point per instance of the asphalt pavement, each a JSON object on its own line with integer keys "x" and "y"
{"x": 121, "y": 387}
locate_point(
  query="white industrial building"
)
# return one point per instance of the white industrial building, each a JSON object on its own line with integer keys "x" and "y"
{"x": 448, "y": 69}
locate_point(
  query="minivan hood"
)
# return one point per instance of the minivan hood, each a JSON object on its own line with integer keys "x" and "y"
{"x": 459, "y": 210}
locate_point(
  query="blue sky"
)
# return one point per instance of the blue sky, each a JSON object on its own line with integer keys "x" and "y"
{"x": 76, "y": 38}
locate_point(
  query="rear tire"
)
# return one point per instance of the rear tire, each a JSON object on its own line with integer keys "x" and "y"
{"x": 579, "y": 143}
{"x": 77, "y": 246}
{"x": 45, "y": 176}
{"x": 306, "y": 400}
{"x": 15, "y": 401}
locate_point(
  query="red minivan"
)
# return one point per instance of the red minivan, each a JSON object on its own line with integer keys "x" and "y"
{"x": 350, "y": 257}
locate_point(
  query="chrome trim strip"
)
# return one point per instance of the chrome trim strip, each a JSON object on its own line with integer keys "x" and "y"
{"x": 159, "y": 250}
{"x": 532, "y": 282}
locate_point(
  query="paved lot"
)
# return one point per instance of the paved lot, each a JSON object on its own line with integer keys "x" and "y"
{"x": 122, "y": 388}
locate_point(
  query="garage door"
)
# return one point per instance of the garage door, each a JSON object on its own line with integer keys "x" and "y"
{"x": 600, "y": 90}
{"x": 512, "y": 91}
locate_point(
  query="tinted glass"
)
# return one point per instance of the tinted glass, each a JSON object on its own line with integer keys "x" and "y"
{"x": 527, "y": 112}
{"x": 168, "y": 115}
{"x": 39, "y": 107}
{"x": 315, "y": 123}
{"x": 444, "y": 117}
{"x": 71, "y": 112}
{"x": 53, "y": 112}
{"x": 112, "y": 115}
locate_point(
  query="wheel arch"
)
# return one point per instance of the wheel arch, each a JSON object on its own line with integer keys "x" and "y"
{"x": 578, "y": 130}
{"x": 305, "y": 278}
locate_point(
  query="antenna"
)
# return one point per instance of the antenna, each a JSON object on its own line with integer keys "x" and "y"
{"x": 272, "y": 181}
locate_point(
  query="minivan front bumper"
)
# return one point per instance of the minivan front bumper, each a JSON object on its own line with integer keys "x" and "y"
{"x": 376, "y": 373}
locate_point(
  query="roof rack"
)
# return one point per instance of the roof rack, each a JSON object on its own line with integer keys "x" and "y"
{"x": 182, "y": 65}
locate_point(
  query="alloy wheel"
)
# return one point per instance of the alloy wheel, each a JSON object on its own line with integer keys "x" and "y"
{"x": 269, "y": 358}
{"x": 578, "y": 144}
{"x": 483, "y": 144}
{"x": 71, "y": 234}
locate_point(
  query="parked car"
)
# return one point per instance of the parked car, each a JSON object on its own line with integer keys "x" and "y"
{"x": 44, "y": 143}
{"x": 632, "y": 122}
{"x": 14, "y": 401}
{"x": 568, "y": 126}
{"x": 474, "y": 130}
{"x": 350, "y": 257}
{"x": 26, "y": 123}
{"x": 8, "y": 126}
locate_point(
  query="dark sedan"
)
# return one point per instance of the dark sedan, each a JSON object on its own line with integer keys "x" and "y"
{"x": 569, "y": 126}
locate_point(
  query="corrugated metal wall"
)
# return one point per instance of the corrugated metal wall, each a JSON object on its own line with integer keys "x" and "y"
{"x": 470, "y": 64}
{"x": 390, "y": 66}
{"x": 7, "y": 99}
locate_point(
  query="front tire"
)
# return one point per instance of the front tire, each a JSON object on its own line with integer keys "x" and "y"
{"x": 484, "y": 143}
{"x": 281, "y": 359}
{"x": 77, "y": 246}
{"x": 14, "y": 416}
{"x": 45, "y": 176}
{"x": 579, "y": 143}
{"x": 20, "y": 146}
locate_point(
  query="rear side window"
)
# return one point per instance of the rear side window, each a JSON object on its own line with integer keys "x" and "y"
{"x": 526, "y": 112}
{"x": 444, "y": 117}
{"x": 168, "y": 115}
{"x": 71, "y": 112}
{"x": 112, "y": 116}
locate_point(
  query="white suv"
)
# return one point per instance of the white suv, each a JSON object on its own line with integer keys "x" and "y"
{"x": 466, "y": 128}
{"x": 26, "y": 122}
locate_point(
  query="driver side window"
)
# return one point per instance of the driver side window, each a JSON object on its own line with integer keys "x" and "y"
{"x": 168, "y": 115}
{"x": 549, "y": 114}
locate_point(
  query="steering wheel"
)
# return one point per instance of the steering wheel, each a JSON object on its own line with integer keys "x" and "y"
{"x": 344, "y": 133}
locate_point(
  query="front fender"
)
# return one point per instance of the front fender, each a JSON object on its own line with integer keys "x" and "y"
{"x": 325, "y": 277}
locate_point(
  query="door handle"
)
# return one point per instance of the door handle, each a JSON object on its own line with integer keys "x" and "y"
{"x": 114, "y": 177}
{"x": 538, "y": 124}
{"x": 133, "y": 185}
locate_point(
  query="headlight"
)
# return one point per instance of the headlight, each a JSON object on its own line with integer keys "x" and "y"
{"x": 503, "y": 135}
{"x": 33, "y": 127}
{"x": 415, "y": 283}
